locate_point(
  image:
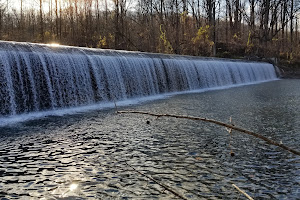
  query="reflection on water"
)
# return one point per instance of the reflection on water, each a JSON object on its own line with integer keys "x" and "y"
{"x": 84, "y": 156}
{"x": 73, "y": 186}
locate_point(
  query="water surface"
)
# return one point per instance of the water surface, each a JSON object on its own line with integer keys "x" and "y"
{"x": 88, "y": 155}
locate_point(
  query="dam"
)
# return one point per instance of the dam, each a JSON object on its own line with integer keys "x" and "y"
{"x": 37, "y": 77}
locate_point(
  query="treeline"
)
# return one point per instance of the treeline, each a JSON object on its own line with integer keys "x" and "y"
{"x": 224, "y": 28}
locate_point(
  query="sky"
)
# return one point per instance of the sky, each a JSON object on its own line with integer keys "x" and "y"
{"x": 16, "y": 4}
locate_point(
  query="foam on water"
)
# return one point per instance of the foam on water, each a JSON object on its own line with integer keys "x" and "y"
{"x": 38, "y": 80}
{"x": 12, "y": 120}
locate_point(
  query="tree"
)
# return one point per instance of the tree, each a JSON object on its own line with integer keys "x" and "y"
{"x": 41, "y": 21}
{"x": 236, "y": 27}
{"x": 211, "y": 16}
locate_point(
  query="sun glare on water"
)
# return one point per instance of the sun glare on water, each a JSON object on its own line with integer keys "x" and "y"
{"x": 73, "y": 186}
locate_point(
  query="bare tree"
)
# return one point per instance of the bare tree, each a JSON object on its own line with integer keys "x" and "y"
{"x": 41, "y": 21}
{"x": 211, "y": 17}
{"x": 169, "y": 26}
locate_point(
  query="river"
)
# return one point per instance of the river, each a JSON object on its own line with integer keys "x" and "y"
{"x": 90, "y": 154}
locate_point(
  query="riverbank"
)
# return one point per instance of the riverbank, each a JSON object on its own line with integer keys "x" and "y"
{"x": 289, "y": 70}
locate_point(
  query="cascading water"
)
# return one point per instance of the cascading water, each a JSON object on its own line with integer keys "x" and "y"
{"x": 36, "y": 77}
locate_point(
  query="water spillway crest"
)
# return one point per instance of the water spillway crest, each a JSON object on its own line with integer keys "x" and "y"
{"x": 36, "y": 77}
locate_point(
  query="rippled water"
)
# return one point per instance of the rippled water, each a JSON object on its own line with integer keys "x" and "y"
{"x": 88, "y": 155}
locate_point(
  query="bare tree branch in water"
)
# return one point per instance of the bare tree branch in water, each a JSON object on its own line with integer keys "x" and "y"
{"x": 155, "y": 181}
{"x": 241, "y": 191}
{"x": 230, "y": 126}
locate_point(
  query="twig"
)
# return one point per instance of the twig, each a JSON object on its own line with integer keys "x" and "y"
{"x": 269, "y": 141}
{"x": 241, "y": 191}
{"x": 165, "y": 187}
{"x": 161, "y": 184}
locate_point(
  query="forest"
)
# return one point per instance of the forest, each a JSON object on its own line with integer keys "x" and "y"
{"x": 222, "y": 28}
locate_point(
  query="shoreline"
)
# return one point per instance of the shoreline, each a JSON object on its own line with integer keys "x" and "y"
{"x": 289, "y": 73}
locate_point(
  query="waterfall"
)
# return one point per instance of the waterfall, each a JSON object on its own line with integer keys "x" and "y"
{"x": 35, "y": 77}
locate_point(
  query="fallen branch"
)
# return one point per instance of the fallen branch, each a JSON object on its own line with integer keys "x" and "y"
{"x": 241, "y": 191}
{"x": 155, "y": 181}
{"x": 165, "y": 187}
{"x": 230, "y": 126}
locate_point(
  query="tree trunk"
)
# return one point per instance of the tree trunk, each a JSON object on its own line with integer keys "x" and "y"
{"x": 21, "y": 15}
{"x": 60, "y": 20}
{"x": 122, "y": 22}
{"x": 296, "y": 36}
{"x": 226, "y": 26}
{"x": 50, "y": 16}
{"x": 41, "y": 22}
{"x": 177, "y": 27}
{"x": 266, "y": 20}
{"x": 56, "y": 18}
{"x": 252, "y": 15}
{"x": 117, "y": 29}
{"x": 237, "y": 18}
{"x": 211, "y": 12}
{"x": 1, "y": 21}
{"x": 283, "y": 19}
{"x": 229, "y": 12}
{"x": 214, "y": 49}
{"x": 98, "y": 17}
{"x": 292, "y": 24}
{"x": 72, "y": 22}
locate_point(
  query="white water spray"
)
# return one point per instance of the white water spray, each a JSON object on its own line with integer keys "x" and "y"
{"x": 37, "y": 77}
